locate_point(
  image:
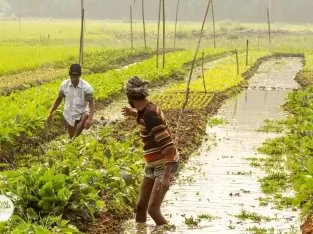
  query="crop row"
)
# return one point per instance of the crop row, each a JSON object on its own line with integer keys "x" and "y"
{"x": 172, "y": 101}
{"x": 223, "y": 75}
{"x": 25, "y": 111}
{"x": 17, "y": 58}
{"x": 289, "y": 157}
{"x": 99, "y": 61}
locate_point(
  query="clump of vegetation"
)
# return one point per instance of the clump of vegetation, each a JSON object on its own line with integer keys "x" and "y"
{"x": 217, "y": 121}
{"x": 244, "y": 215}
{"x": 272, "y": 126}
{"x": 191, "y": 221}
{"x": 257, "y": 230}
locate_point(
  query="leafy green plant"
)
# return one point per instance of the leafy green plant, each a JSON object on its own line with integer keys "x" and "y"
{"x": 48, "y": 225}
{"x": 76, "y": 179}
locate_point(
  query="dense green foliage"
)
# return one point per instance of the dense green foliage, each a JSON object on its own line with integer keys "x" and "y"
{"x": 289, "y": 162}
{"x": 75, "y": 179}
{"x": 26, "y": 111}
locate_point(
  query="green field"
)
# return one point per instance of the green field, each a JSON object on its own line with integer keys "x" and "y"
{"x": 62, "y": 186}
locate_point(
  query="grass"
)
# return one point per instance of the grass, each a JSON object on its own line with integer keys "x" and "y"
{"x": 245, "y": 215}
{"x": 223, "y": 75}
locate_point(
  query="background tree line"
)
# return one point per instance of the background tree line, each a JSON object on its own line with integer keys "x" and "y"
{"x": 289, "y": 11}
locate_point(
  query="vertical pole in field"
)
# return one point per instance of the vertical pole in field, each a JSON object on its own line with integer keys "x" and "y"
{"x": 247, "y": 53}
{"x": 143, "y": 22}
{"x": 131, "y": 27}
{"x": 163, "y": 3}
{"x": 19, "y": 14}
{"x": 213, "y": 16}
{"x": 192, "y": 67}
{"x": 81, "y": 50}
{"x": 204, "y": 86}
{"x": 237, "y": 61}
{"x": 158, "y": 38}
{"x": 177, "y": 8}
{"x": 269, "y": 29}
{"x": 84, "y": 20}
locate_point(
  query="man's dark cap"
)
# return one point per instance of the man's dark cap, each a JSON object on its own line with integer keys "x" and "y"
{"x": 75, "y": 70}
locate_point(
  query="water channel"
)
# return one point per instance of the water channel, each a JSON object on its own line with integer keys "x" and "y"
{"x": 219, "y": 181}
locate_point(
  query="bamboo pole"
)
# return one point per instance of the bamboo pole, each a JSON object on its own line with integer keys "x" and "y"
{"x": 143, "y": 22}
{"x": 177, "y": 8}
{"x": 269, "y": 29}
{"x": 82, "y": 47}
{"x": 163, "y": 3}
{"x": 214, "y": 32}
{"x": 81, "y": 53}
{"x": 131, "y": 27}
{"x": 192, "y": 67}
{"x": 158, "y": 38}
{"x": 19, "y": 14}
{"x": 204, "y": 86}
{"x": 247, "y": 53}
{"x": 237, "y": 61}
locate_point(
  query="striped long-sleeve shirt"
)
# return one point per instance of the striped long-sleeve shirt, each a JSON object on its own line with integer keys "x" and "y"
{"x": 158, "y": 147}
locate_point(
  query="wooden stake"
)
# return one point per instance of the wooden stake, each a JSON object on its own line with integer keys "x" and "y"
{"x": 19, "y": 14}
{"x": 176, "y": 23}
{"x": 158, "y": 38}
{"x": 247, "y": 53}
{"x": 214, "y": 33}
{"x": 131, "y": 27}
{"x": 237, "y": 60}
{"x": 163, "y": 1}
{"x": 204, "y": 86}
{"x": 144, "y": 24}
{"x": 192, "y": 67}
{"x": 81, "y": 53}
{"x": 269, "y": 29}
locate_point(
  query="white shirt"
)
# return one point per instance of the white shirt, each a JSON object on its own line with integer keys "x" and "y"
{"x": 75, "y": 99}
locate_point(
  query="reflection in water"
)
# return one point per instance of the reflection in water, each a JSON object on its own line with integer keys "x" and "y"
{"x": 265, "y": 97}
{"x": 220, "y": 182}
{"x": 235, "y": 109}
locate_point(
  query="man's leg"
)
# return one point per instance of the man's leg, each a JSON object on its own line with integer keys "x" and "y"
{"x": 155, "y": 205}
{"x": 80, "y": 127}
{"x": 144, "y": 196}
{"x": 70, "y": 129}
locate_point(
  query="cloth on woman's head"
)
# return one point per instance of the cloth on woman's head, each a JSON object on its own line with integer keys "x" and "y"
{"x": 135, "y": 87}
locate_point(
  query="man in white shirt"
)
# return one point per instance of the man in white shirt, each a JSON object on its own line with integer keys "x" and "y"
{"x": 79, "y": 107}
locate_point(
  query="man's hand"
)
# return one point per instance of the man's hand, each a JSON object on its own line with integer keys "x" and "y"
{"x": 129, "y": 112}
{"x": 164, "y": 184}
{"x": 88, "y": 123}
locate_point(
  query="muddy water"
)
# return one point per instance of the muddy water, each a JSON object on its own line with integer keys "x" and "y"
{"x": 218, "y": 180}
